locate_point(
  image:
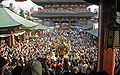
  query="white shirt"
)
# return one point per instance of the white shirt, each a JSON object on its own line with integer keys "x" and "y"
{"x": 84, "y": 68}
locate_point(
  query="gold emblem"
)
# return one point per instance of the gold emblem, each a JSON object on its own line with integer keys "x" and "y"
{"x": 62, "y": 47}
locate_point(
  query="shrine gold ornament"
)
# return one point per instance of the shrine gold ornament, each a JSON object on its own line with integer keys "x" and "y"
{"x": 62, "y": 48}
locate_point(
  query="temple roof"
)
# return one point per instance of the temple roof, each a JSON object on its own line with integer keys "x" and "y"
{"x": 41, "y": 27}
{"x": 93, "y": 1}
{"x": 6, "y": 20}
{"x": 62, "y": 14}
{"x": 87, "y": 27}
{"x": 94, "y": 32}
{"x": 59, "y": 2}
{"x": 10, "y": 19}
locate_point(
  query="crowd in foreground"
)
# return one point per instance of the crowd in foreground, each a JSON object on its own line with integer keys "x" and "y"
{"x": 81, "y": 60}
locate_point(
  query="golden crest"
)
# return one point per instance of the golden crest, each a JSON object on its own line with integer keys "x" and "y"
{"x": 62, "y": 47}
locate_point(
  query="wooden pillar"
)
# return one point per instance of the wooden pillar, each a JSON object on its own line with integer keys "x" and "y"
{"x": 60, "y": 24}
{"x": 69, "y": 24}
{"x": 32, "y": 33}
{"x": 109, "y": 61}
{"x": 11, "y": 40}
{"x": 23, "y": 37}
{"x": 100, "y": 38}
{"x": 41, "y": 34}
{"x": 105, "y": 50}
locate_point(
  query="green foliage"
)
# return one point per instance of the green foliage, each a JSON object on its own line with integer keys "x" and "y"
{"x": 22, "y": 13}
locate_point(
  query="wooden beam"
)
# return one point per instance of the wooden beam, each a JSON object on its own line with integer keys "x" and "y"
{"x": 100, "y": 38}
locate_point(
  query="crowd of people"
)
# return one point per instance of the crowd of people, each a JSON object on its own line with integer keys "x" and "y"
{"x": 81, "y": 60}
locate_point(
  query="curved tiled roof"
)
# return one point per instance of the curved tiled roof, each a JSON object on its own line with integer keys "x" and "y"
{"x": 52, "y": 2}
{"x": 10, "y": 19}
{"x": 94, "y": 32}
{"x": 93, "y": 1}
{"x": 57, "y": 14}
{"x": 87, "y": 27}
{"x": 6, "y": 20}
{"x": 59, "y": 0}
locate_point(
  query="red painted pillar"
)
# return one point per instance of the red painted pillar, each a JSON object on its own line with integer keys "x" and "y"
{"x": 41, "y": 34}
{"x": 69, "y": 24}
{"x": 23, "y": 37}
{"x": 11, "y": 40}
{"x": 60, "y": 24}
{"x": 109, "y": 61}
{"x": 32, "y": 33}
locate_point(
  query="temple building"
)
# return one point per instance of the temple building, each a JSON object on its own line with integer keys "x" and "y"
{"x": 63, "y": 13}
{"x": 12, "y": 27}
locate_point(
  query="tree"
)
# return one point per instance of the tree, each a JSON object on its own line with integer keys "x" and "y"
{"x": 22, "y": 13}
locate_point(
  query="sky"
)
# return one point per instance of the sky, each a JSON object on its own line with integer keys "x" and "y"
{"x": 26, "y": 5}
{"x": 93, "y": 7}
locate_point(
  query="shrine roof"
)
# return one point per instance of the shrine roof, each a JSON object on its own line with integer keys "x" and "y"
{"x": 62, "y": 14}
{"x": 87, "y": 27}
{"x": 10, "y": 19}
{"x": 6, "y": 20}
{"x": 41, "y": 27}
{"x": 94, "y": 32}
{"x": 59, "y": 2}
{"x": 93, "y": 1}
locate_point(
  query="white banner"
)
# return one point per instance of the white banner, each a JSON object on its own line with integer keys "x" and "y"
{"x": 19, "y": 33}
{"x": 16, "y": 34}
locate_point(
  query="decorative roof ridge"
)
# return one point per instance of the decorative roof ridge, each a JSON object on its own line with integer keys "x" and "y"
{"x": 59, "y": 0}
{"x": 17, "y": 18}
{"x": 63, "y": 12}
{"x": 10, "y": 22}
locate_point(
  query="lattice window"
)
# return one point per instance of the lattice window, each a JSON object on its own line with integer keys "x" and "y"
{"x": 116, "y": 38}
